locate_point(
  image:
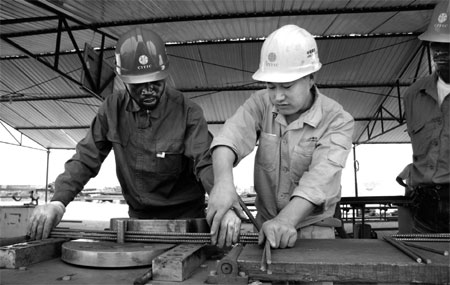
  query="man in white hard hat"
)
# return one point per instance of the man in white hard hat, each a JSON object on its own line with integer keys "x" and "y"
{"x": 303, "y": 140}
{"x": 427, "y": 104}
{"x": 160, "y": 141}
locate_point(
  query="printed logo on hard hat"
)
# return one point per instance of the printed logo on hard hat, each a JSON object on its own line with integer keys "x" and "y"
{"x": 441, "y": 19}
{"x": 143, "y": 59}
{"x": 272, "y": 58}
{"x": 311, "y": 52}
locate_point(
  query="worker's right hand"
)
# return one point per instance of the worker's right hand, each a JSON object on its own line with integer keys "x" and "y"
{"x": 279, "y": 232}
{"x": 223, "y": 213}
{"x": 44, "y": 218}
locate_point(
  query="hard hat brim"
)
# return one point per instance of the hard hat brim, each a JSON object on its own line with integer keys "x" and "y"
{"x": 433, "y": 37}
{"x": 276, "y": 76}
{"x": 137, "y": 79}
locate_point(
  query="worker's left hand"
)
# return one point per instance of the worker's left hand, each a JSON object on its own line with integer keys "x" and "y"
{"x": 280, "y": 233}
{"x": 230, "y": 227}
{"x": 44, "y": 218}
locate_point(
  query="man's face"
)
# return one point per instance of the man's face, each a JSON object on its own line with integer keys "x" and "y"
{"x": 440, "y": 53}
{"x": 291, "y": 97}
{"x": 148, "y": 94}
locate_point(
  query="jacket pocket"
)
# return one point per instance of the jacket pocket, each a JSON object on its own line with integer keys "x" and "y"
{"x": 169, "y": 158}
{"x": 420, "y": 138}
{"x": 301, "y": 159}
{"x": 267, "y": 154}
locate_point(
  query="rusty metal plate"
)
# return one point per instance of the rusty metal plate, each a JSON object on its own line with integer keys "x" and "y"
{"x": 111, "y": 254}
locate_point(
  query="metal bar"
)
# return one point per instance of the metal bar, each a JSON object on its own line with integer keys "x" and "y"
{"x": 248, "y": 213}
{"x": 430, "y": 249}
{"x": 431, "y": 235}
{"x": 403, "y": 249}
{"x": 46, "y": 176}
{"x": 135, "y": 236}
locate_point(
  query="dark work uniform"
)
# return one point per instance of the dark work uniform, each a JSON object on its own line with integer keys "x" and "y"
{"x": 429, "y": 128}
{"x": 162, "y": 156}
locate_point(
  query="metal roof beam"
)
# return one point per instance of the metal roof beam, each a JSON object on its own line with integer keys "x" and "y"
{"x": 371, "y": 124}
{"x": 257, "y": 86}
{"x": 289, "y": 13}
{"x": 6, "y": 98}
{"x": 208, "y": 122}
{"x": 52, "y": 128}
{"x": 27, "y": 20}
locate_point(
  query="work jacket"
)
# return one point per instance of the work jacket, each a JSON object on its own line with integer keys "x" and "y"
{"x": 304, "y": 158}
{"x": 161, "y": 155}
{"x": 429, "y": 128}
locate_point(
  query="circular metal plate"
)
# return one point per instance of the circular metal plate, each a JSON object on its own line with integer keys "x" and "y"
{"x": 111, "y": 254}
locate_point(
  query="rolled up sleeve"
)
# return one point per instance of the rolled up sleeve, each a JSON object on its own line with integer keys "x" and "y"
{"x": 320, "y": 184}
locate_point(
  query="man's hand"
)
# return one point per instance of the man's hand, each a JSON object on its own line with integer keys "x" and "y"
{"x": 44, "y": 218}
{"x": 230, "y": 227}
{"x": 220, "y": 215}
{"x": 280, "y": 233}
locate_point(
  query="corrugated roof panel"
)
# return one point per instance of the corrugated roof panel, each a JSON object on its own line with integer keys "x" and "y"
{"x": 9, "y": 115}
{"x": 82, "y": 111}
{"x": 356, "y": 62}
{"x": 32, "y": 115}
{"x": 228, "y": 71}
{"x": 37, "y": 80}
{"x": 220, "y": 65}
{"x": 218, "y": 107}
{"x": 45, "y": 43}
{"x": 52, "y": 138}
{"x": 185, "y": 66}
{"x": 13, "y": 9}
{"x": 359, "y": 102}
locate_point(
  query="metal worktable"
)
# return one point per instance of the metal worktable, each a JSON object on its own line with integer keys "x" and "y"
{"x": 343, "y": 261}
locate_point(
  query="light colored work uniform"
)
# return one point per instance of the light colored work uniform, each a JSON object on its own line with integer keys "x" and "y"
{"x": 304, "y": 158}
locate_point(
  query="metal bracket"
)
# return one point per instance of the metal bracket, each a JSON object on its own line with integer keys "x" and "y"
{"x": 227, "y": 270}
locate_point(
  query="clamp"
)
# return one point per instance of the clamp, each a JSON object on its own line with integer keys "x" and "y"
{"x": 227, "y": 269}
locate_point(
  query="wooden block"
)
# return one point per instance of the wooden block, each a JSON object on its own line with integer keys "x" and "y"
{"x": 26, "y": 253}
{"x": 179, "y": 263}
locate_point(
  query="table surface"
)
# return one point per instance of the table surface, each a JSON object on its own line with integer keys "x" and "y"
{"x": 349, "y": 260}
{"x": 340, "y": 260}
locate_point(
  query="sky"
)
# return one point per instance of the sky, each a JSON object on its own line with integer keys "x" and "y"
{"x": 379, "y": 165}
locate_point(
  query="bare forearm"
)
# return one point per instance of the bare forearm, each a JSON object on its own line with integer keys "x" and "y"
{"x": 296, "y": 211}
{"x": 223, "y": 158}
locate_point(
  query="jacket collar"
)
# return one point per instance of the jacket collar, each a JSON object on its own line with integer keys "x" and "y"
{"x": 430, "y": 87}
{"x": 134, "y": 107}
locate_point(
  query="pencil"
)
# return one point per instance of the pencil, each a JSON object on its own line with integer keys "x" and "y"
{"x": 263, "y": 260}
{"x": 268, "y": 256}
{"x": 403, "y": 249}
{"x": 442, "y": 252}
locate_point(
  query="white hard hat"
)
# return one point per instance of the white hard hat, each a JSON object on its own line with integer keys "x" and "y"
{"x": 288, "y": 54}
{"x": 439, "y": 26}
